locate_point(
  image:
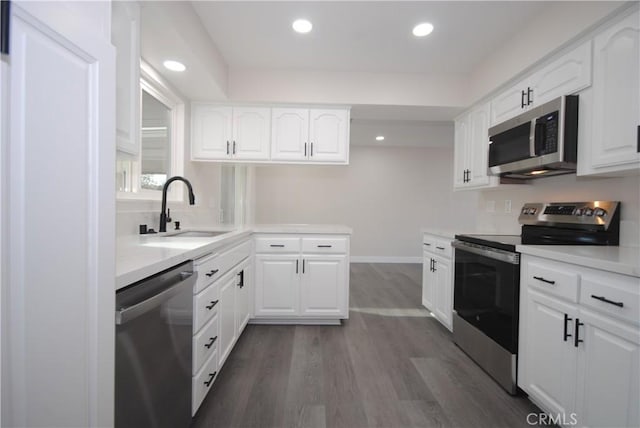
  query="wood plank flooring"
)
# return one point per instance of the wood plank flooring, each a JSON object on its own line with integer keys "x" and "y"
{"x": 390, "y": 365}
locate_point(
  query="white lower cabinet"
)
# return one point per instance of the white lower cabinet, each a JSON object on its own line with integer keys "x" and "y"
{"x": 579, "y": 343}
{"x": 437, "y": 280}
{"x": 310, "y": 282}
{"x": 244, "y": 293}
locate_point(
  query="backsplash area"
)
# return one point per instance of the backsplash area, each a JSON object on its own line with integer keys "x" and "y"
{"x": 492, "y": 204}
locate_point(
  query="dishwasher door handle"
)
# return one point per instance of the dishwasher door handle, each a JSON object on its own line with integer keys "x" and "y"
{"x": 186, "y": 279}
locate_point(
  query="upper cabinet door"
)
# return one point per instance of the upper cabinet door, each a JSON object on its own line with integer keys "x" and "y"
{"x": 478, "y": 150}
{"x": 125, "y": 36}
{"x": 251, "y": 133}
{"x": 211, "y": 128}
{"x": 290, "y": 134}
{"x": 567, "y": 75}
{"x": 509, "y": 103}
{"x": 616, "y": 115}
{"x": 329, "y": 135}
{"x": 461, "y": 148}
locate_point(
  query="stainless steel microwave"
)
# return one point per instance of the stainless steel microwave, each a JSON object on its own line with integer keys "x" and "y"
{"x": 541, "y": 142}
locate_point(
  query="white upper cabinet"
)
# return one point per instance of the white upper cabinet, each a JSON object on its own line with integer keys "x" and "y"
{"x": 125, "y": 36}
{"x": 566, "y": 75}
{"x": 615, "y": 114}
{"x": 229, "y": 133}
{"x": 289, "y": 134}
{"x": 315, "y": 135}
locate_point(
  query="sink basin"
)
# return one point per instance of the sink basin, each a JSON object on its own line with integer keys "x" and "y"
{"x": 196, "y": 234}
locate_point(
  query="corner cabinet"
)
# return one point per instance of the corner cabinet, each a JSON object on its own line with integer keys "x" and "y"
{"x": 579, "y": 342}
{"x": 310, "y": 135}
{"x": 125, "y": 36}
{"x": 613, "y": 129}
{"x": 437, "y": 280}
{"x": 301, "y": 278}
{"x": 471, "y": 150}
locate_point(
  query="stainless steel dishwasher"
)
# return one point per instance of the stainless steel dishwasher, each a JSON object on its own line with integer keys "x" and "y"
{"x": 154, "y": 320}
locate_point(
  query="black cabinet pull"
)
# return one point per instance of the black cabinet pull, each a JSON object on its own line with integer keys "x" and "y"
{"x": 522, "y": 94}
{"x": 5, "y": 8}
{"x": 212, "y": 340}
{"x": 227, "y": 147}
{"x": 277, "y": 245}
{"x": 638, "y": 137}
{"x": 297, "y": 262}
{"x": 529, "y": 97}
{"x": 576, "y": 338}
{"x": 311, "y": 152}
{"x": 324, "y": 246}
{"x": 604, "y": 299}
{"x": 212, "y": 272}
{"x": 434, "y": 265}
{"x": 566, "y": 322}
{"x": 234, "y": 147}
{"x": 431, "y": 267}
{"x": 428, "y": 245}
{"x": 440, "y": 248}
{"x": 213, "y": 303}
{"x": 302, "y": 265}
{"x": 305, "y": 149}
{"x": 548, "y": 281}
{"x": 241, "y": 275}
{"x": 211, "y": 376}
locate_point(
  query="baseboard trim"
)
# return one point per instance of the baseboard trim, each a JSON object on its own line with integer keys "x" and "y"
{"x": 382, "y": 259}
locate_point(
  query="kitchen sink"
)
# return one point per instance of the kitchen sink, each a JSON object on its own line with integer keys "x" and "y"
{"x": 197, "y": 234}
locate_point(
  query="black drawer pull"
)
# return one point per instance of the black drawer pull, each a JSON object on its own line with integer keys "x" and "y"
{"x": 211, "y": 273}
{"x": 213, "y": 303}
{"x": 548, "y": 281}
{"x": 277, "y": 245}
{"x": 212, "y": 341}
{"x": 577, "y": 339}
{"x": 210, "y": 381}
{"x": 440, "y": 248}
{"x": 604, "y": 299}
{"x": 324, "y": 246}
{"x": 428, "y": 245}
{"x": 566, "y": 321}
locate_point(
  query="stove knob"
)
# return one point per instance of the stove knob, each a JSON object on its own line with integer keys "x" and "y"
{"x": 532, "y": 211}
{"x": 579, "y": 211}
{"x": 525, "y": 210}
{"x": 588, "y": 212}
{"x": 600, "y": 212}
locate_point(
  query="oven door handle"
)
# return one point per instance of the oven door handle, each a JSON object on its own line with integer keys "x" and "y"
{"x": 492, "y": 253}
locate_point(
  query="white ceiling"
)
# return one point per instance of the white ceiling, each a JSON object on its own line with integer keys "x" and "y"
{"x": 363, "y": 36}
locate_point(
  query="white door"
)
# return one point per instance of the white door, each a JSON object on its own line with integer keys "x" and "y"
{"x": 211, "y": 128}
{"x": 251, "y": 133}
{"x": 616, "y": 112}
{"x": 443, "y": 307}
{"x": 125, "y": 36}
{"x": 509, "y": 103}
{"x": 608, "y": 373}
{"x": 461, "y": 148}
{"x": 289, "y": 134}
{"x": 226, "y": 315}
{"x": 59, "y": 221}
{"x": 548, "y": 365}
{"x": 277, "y": 285}
{"x": 428, "y": 282}
{"x": 323, "y": 285}
{"x": 478, "y": 140}
{"x": 243, "y": 297}
{"x": 328, "y": 135}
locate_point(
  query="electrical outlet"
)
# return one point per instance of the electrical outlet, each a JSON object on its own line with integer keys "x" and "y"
{"x": 507, "y": 206}
{"x": 490, "y": 207}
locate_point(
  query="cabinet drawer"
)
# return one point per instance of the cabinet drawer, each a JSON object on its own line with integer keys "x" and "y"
{"x": 615, "y": 295}
{"x": 233, "y": 256}
{"x": 205, "y": 305}
{"x": 429, "y": 243}
{"x": 208, "y": 271}
{"x": 553, "y": 279}
{"x": 442, "y": 247}
{"x": 205, "y": 343}
{"x": 202, "y": 382}
{"x": 277, "y": 244}
{"x": 324, "y": 245}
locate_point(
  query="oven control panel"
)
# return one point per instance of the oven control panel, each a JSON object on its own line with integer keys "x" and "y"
{"x": 596, "y": 213}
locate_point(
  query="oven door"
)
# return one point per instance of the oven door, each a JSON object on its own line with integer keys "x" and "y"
{"x": 486, "y": 291}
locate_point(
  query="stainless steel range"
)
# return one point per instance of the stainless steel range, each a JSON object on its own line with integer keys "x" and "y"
{"x": 487, "y": 277}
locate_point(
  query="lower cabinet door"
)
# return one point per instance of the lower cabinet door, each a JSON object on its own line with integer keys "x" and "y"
{"x": 428, "y": 282}
{"x": 548, "y": 361}
{"x": 227, "y": 317}
{"x": 277, "y": 282}
{"x": 608, "y": 373}
{"x": 243, "y": 297}
{"x": 443, "y": 307}
{"x": 323, "y": 286}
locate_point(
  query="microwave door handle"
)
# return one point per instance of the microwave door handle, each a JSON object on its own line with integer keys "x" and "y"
{"x": 532, "y": 138}
{"x": 540, "y": 137}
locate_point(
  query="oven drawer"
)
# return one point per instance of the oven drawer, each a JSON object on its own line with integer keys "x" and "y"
{"x": 612, "y": 294}
{"x": 553, "y": 279}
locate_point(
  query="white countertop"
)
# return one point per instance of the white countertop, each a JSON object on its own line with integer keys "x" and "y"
{"x": 622, "y": 260}
{"x": 140, "y": 256}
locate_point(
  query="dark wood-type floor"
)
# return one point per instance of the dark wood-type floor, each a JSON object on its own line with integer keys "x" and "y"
{"x": 389, "y": 365}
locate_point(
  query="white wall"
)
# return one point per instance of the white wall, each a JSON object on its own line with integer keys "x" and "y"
{"x": 386, "y": 195}
{"x": 567, "y": 188}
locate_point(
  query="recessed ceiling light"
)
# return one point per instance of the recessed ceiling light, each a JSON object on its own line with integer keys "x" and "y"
{"x": 301, "y": 26}
{"x": 174, "y": 65}
{"x": 380, "y": 138}
{"x": 423, "y": 29}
